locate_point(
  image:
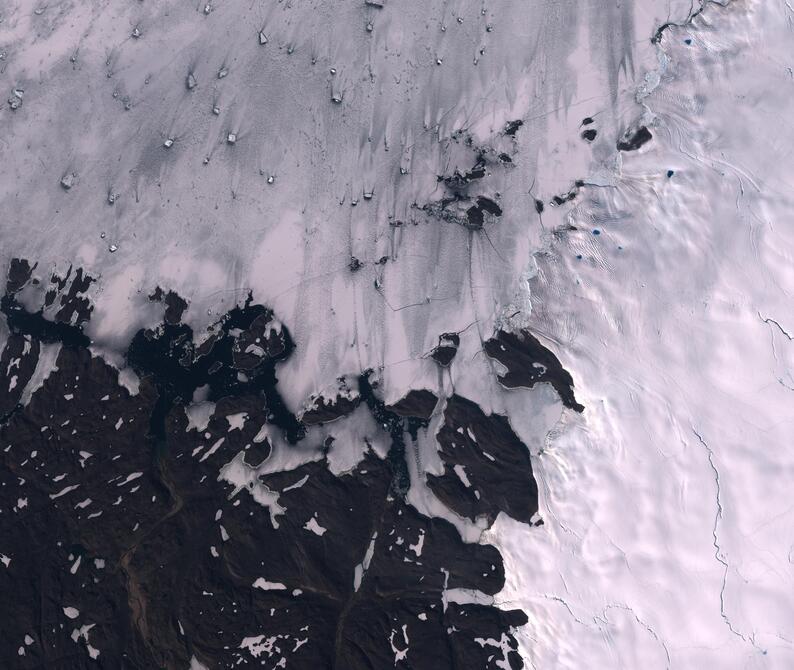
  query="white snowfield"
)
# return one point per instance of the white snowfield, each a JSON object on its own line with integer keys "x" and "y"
{"x": 668, "y": 536}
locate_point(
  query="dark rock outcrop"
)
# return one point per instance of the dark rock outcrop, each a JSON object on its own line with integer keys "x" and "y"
{"x": 418, "y": 403}
{"x": 123, "y": 548}
{"x": 486, "y": 466}
{"x": 528, "y": 363}
{"x": 635, "y": 139}
{"x": 448, "y": 344}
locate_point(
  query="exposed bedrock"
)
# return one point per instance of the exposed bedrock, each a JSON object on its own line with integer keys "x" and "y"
{"x": 486, "y": 466}
{"x": 528, "y": 363}
{"x": 123, "y": 548}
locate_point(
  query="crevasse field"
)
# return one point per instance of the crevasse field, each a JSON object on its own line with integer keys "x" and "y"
{"x": 321, "y": 157}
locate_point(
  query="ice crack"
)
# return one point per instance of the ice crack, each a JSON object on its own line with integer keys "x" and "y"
{"x": 563, "y": 602}
{"x": 718, "y": 552}
{"x": 779, "y": 327}
{"x": 601, "y": 620}
{"x": 642, "y": 623}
